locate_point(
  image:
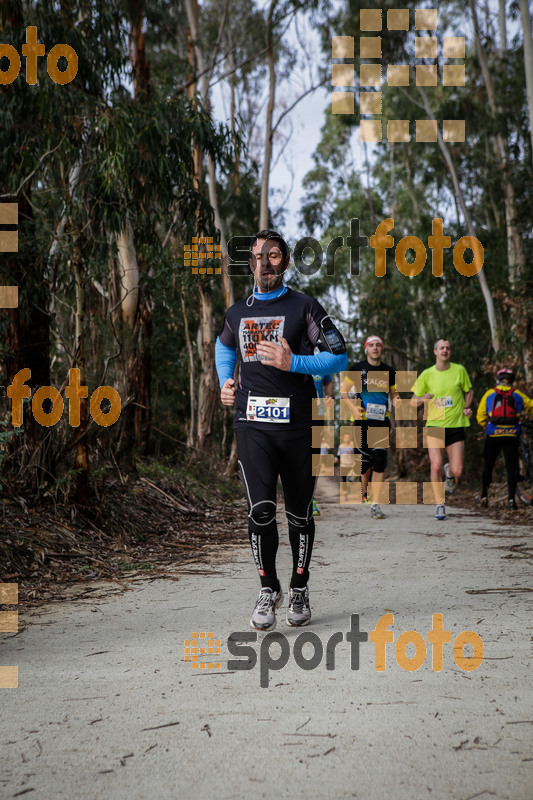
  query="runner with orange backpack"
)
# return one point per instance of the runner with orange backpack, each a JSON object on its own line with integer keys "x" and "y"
{"x": 499, "y": 413}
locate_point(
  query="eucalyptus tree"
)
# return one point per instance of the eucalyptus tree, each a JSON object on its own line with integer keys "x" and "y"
{"x": 418, "y": 181}
{"x": 87, "y": 162}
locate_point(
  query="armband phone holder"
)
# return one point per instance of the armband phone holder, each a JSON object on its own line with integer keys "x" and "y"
{"x": 331, "y": 337}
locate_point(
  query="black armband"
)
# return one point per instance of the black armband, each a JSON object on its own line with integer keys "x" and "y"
{"x": 331, "y": 338}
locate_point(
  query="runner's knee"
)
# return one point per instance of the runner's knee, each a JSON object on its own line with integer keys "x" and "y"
{"x": 299, "y": 522}
{"x": 457, "y": 471}
{"x": 262, "y": 514}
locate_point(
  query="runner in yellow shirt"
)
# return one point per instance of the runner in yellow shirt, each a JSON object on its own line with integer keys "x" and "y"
{"x": 448, "y": 392}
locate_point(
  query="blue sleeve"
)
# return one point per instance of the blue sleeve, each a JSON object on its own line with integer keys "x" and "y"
{"x": 225, "y": 360}
{"x": 320, "y": 364}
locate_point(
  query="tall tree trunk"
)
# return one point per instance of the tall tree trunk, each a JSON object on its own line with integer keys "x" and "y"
{"x": 207, "y": 394}
{"x": 237, "y": 176}
{"x": 515, "y": 249}
{"x": 82, "y": 447}
{"x": 502, "y": 26}
{"x": 485, "y": 290}
{"x": 265, "y": 178}
{"x": 129, "y": 322}
{"x": 528, "y": 60}
{"x": 192, "y": 16}
{"x": 136, "y": 311}
{"x": 206, "y": 339}
{"x": 191, "y": 438}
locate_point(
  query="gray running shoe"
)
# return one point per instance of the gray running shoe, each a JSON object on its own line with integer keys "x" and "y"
{"x": 376, "y": 512}
{"x": 264, "y": 613}
{"x": 299, "y": 610}
{"x": 450, "y": 483}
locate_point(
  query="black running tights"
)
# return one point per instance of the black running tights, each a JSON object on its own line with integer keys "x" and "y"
{"x": 493, "y": 446}
{"x": 263, "y": 456}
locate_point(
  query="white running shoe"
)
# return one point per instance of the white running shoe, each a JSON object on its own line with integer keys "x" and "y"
{"x": 450, "y": 483}
{"x": 299, "y": 610}
{"x": 264, "y": 613}
{"x": 440, "y": 512}
{"x": 376, "y": 512}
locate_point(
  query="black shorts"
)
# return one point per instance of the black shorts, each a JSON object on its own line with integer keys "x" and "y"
{"x": 453, "y": 435}
{"x": 372, "y": 457}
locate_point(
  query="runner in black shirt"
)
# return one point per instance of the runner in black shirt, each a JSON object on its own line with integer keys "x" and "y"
{"x": 275, "y": 332}
{"x": 370, "y": 408}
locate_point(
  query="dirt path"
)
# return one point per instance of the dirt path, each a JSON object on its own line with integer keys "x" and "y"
{"x": 107, "y": 705}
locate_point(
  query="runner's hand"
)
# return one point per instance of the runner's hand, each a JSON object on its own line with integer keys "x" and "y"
{"x": 275, "y": 354}
{"x": 467, "y": 412}
{"x": 227, "y": 393}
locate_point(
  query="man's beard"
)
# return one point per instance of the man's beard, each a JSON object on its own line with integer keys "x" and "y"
{"x": 270, "y": 282}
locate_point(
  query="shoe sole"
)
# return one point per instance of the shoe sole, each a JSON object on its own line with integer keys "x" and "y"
{"x": 298, "y": 624}
{"x": 264, "y": 628}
